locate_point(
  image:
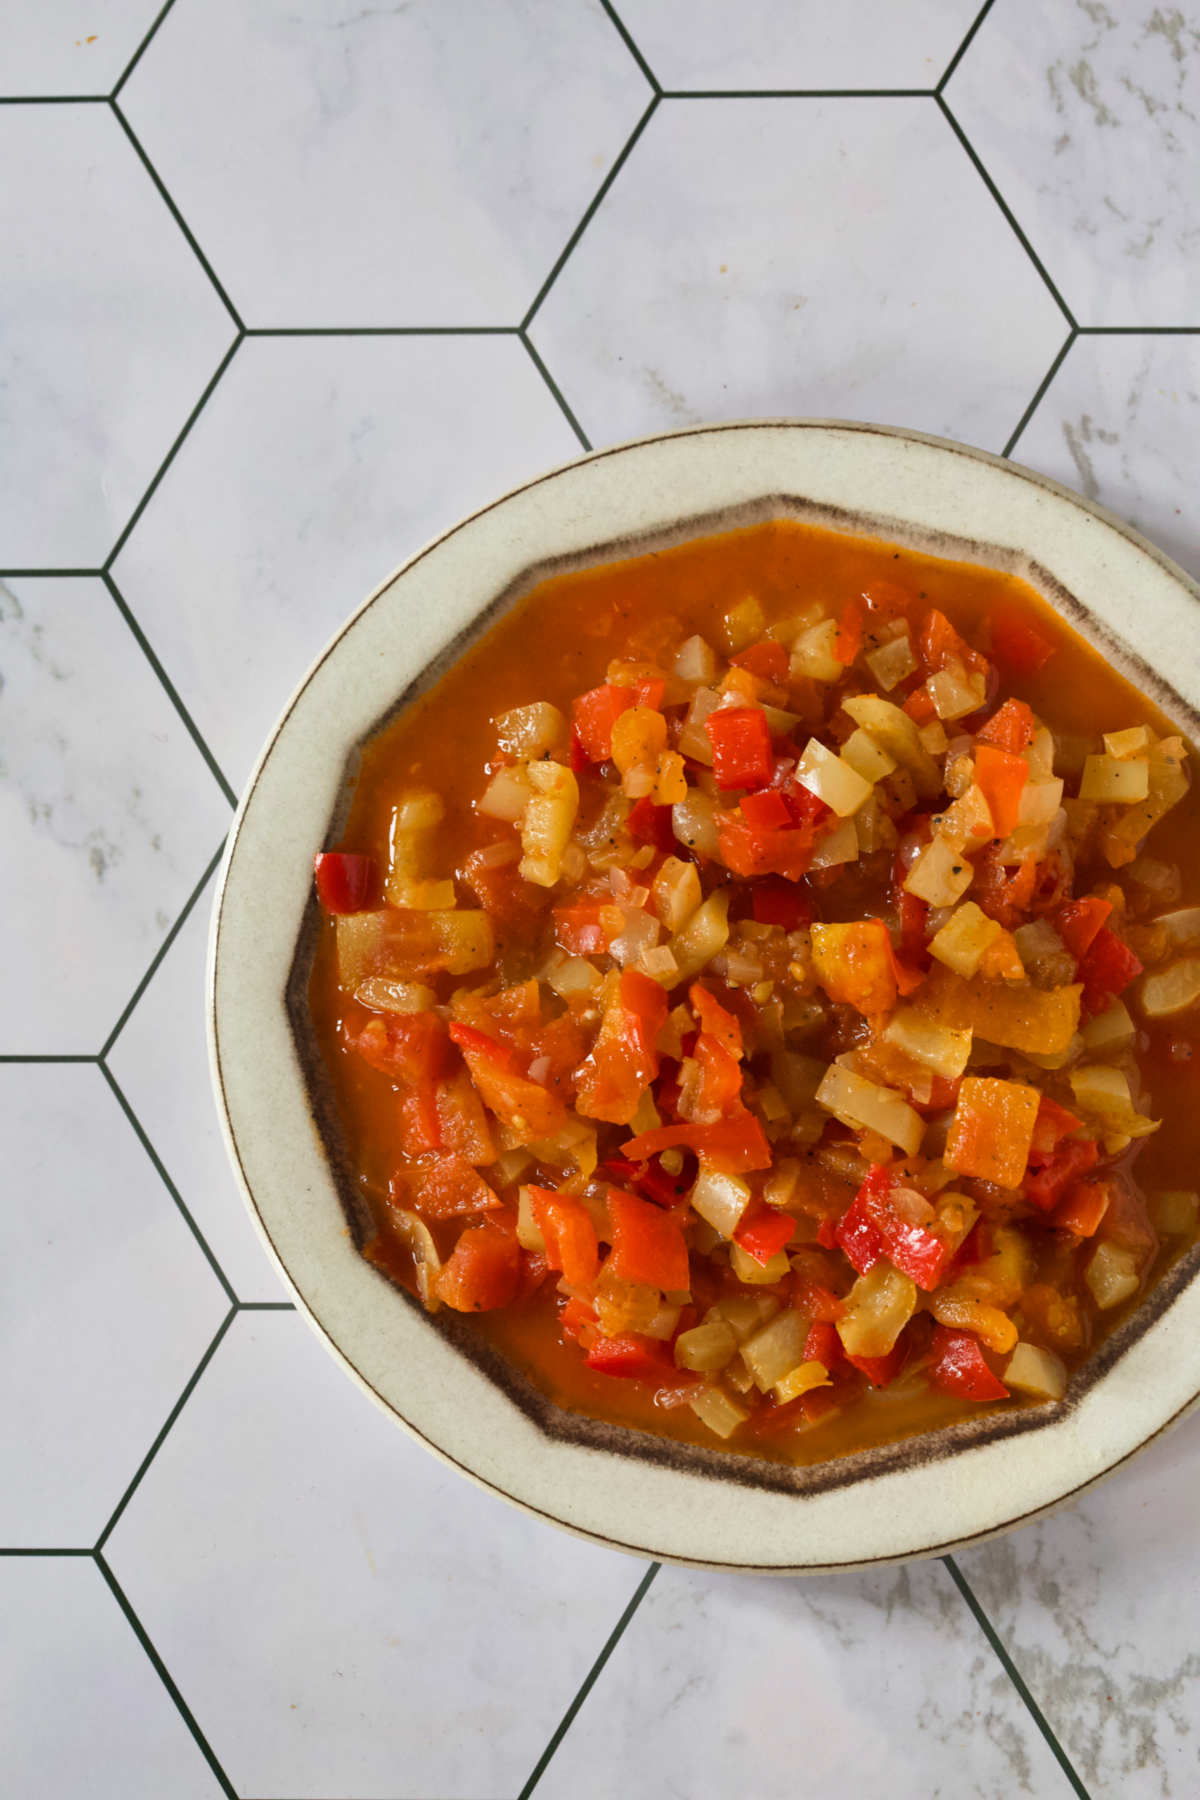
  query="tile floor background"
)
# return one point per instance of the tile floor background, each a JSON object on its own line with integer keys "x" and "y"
{"x": 287, "y": 286}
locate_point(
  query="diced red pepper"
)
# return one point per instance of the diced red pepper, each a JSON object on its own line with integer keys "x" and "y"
{"x": 649, "y": 692}
{"x": 887, "y": 600}
{"x": 648, "y": 1246}
{"x": 580, "y": 760}
{"x": 876, "y": 1229}
{"x": 805, "y": 807}
{"x": 741, "y": 746}
{"x": 1001, "y": 777}
{"x": 593, "y": 716}
{"x": 584, "y": 929}
{"x": 768, "y": 660}
{"x": 823, "y": 1344}
{"x": 716, "y": 1019}
{"x": 880, "y": 1371}
{"x": 765, "y": 1236}
{"x": 1083, "y": 1209}
{"x": 1053, "y": 1123}
{"x": 766, "y": 810}
{"x": 1079, "y": 921}
{"x": 848, "y": 640}
{"x": 859, "y": 1236}
{"x": 478, "y": 1043}
{"x": 1017, "y": 647}
{"x": 777, "y": 901}
{"x": 959, "y": 1367}
{"x": 1106, "y": 970}
{"x": 482, "y": 1272}
{"x": 1011, "y": 728}
{"x": 914, "y": 929}
{"x": 575, "y": 1317}
{"x": 732, "y": 1146}
{"x": 1073, "y": 1157}
{"x": 651, "y": 824}
{"x": 346, "y": 883}
{"x": 443, "y": 1186}
{"x": 571, "y": 1242}
{"x": 750, "y": 853}
{"x": 941, "y": 644}
{"x": 632, "y": 1357}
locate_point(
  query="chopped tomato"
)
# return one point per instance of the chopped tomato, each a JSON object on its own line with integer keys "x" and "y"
{"x": 346, "y": 883}
{"x": 648, "y": 1246}
{"x": 746, "y": 852}
{"x": 715, "y": 1019}
{"x": 443, "y": 1187}
{"x": 823, "y": 1344}
{"x": 741, "y": 746}
{"x": 959, "y": 1367}
{"x": 880, "y": 1371}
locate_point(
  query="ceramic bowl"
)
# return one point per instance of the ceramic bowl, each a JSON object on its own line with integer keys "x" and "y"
{"x": 643, "y": 1494}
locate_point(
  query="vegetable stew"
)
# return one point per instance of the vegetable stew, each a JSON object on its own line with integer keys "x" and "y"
{"x": 759, "y": 985}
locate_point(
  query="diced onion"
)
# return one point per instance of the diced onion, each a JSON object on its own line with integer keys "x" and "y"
{"x": 745, "y": 1313}
{"x": 427, "y": 1264}
{"x": 898, "y": 735}
{"x": 837, "y": 846}
{"x": 529, "y": 1232}
{"x": 1113, "y": 781}
{"x": 866, "y": 757}
{"x": 861, "y": 1103}
{"x": 418, "y": 809}
{"x": 941, "y": 875}
{"x": 955, "y": 694}
{"x": 575, "y": 975}
{"x": 694, "y": 823}
{"x": 1174, "y": 1211}
{"x": 693, "y": 739}
{"x": 676, "y": 891}
{"x": 1040, "y": 800}
{"x": 717, "y": 1409}
{"x": 748, "y": 1269}
{"x": 1174, "y": 989}
{"x": 531, "y": 731}
{"x": 1032, "y": 1370}
{"x": 706, "y": 932}
{"x": 878, "y": 1307}
{"x": 1111, "y": 1030}
{"x": 506, "y": 795}
{"x": 1181, "y": 926}
{"x": 395, "y": 996}
{"x": 1112, "y": 1275}
{"x": 891, "y": 662}
{"x": 548, "y": 822}
{"x": 776, "y": 1350}
{"x": 720, "y": 1199}
{"x": 831, "y": 779}
{"x": 963, "y": 940}
{"x": 944, "y": 1051}
{"x": 744, "y": 623}
{"x": 706, "y": 1348}
{"x": 1102, "y": 1093}
{"x": 813, "y": 653}
{"x": 696, "y": 661}
{"x": 1133, "y": 742}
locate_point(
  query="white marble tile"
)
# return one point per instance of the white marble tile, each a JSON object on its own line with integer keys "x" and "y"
{"x": 109, "y": 330}
{"x": 318, "y": 465}
{"x": 877, "y": 1686}
{"x": 1097, "y": 1607}
{"x": 344, "y": 1614}
{"x": 798, "y": 43}
{"x": 1087, "y": 117}
{"x": 106, "y": 1304}
{"x": 160, "y": 1060}
{"x": 107, "y": 811}
{"x": 385, "y": 165}
{"x": 798, "y": 258}
{"x": 1120, "y": 422}
{"x": 82, "y": 1710}
{"x": 69, "y": 46}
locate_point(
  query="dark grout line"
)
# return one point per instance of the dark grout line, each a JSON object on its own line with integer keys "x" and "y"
{"x": 266, "y": 1306}
{"x": 138, "y": 54}
{"x": 160, "y": 1667}
{"x": 557, "y": 392}
{"x": 1014, "y": 1675}
{"x": 1138, "y": 330}
{"x": 590, "y": 1680}
{"x": 171, "y": 1417}
{"x": 160, "y": 953}
{"x": 143, "y": 1139}
{"x": 48, "y": 574}
{"x": 53, "y": 99}
{"x": 627, "y": 39}
{"x": 583, "y": 224}
{"x": 296, "y": 331}
{"x": 169, "y": 458}
{"x": 53, "y": 1057}
{"x": 1047, "y": 378}
{"x": 51, "y": 1550}
{"x": 994, "y": 191}
{"x": 964, "y": 46}
{"x": 175, "y": 213}
{"x": 169, "y": 687}
{"x": 798, "y": 93}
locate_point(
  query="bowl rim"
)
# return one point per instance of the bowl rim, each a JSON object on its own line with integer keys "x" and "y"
{"x": 609, "y": 547}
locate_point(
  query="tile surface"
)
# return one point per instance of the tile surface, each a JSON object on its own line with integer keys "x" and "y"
{"x": 811, "y": 1684}
{"x": 98, "y": 374}
{"x": 106, "y": 808}
{"x": 798, "y": 43}
{"x": 170, "y": 1094}
{"x": 779, "y": 208}
{"x": 106, "y": 1305}
{"x": 371, "y": 168}
{"x": 81, "y": 1709}
{"x": 372, "y": 1666}
{"x": 318, "y": 465}
{"x": 1087, "y": 117}
{"x": 70, "y": 46}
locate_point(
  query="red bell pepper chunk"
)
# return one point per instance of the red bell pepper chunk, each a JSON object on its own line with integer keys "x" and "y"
{"x": 574, "y": 1317}
{"x": 346, "y": 883}
{"x": 914, "y": 929}
{"x": 777, "y": 901}
{"x": 648, "y": 1246}
{"x": 823, "y": 1345}
{"x": 880, "y": 1371}
{"x": 805, "y": 807}
{"x": 1053, "y": 1123}
{"x": 959, "y": 1367}
{"x": 765, "y": 1236}
{"x": 1078, "y": 922}
{"x": 1106, "y": 970}
{"x": 741, "y": 746}
{"x": 975, "y": 1248}
{"x": 876, "y": 1229}
{"x": 766, "y": 810}
{"x": 1011, "y": 728}
{"x": 733, "y": 1146}
{"x": 859, "y": 1236}
{"x": 632, "y": 1357}
{"x": 482, "y": 1272}
{"x": 651, "y": 824}
{"x": 919, "y": 706}
{"x": 1001, "y": 777}
{"x": 888, "y": 600}
{"x": 1017, "y": 647}
{"x": 649, "y": 691}
{"x": 468, "y": 1037}
{"x": 750, "y": 853}
{"x": 581, "y": 929}
{"x": 1083, "y": 1209}
{"x": 571, "y": 1242}
{"x": 580, "y": 760}
{"x": 848, "y": 641}
{"x": 1073, "y": 1157}
{"x": 942, "y": 644}
{"x": 716, "y": 1020}
{"x": 768, "y": 660}
{"x": 593, "y": 716}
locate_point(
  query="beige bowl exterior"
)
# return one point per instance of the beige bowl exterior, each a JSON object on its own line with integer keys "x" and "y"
{"x": 650, "y": 1496}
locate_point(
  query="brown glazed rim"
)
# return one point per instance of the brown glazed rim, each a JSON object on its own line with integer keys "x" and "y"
{"x": 553, "y": 1422}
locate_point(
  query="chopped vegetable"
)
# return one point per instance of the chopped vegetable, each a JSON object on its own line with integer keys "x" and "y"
{"x": 959, "y": 1367}
{"x": 992, "y": 1130}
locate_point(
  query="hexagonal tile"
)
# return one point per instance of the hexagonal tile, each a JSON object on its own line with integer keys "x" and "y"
{"x": 1088, "y": 120}
{"x": 823, "y": 1687}
{"x": 161, "y": 1061}
{"x": 1120, "y": 421}
{"x": 72, "y": 47}
{"x": 798, "y": 43}
{"x": 82, "y": 1710}
{"x": 106, "y": 808}
{"x": 106, "y": 1304}
{"x": 111, "y": 330}
{"x": 318, "y": 464}
{"x": 1092, "y": 1606}
{"x": 344, "y": 1614}
{"x": 384, "y": 165}
{"x": 798, "y": 258}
